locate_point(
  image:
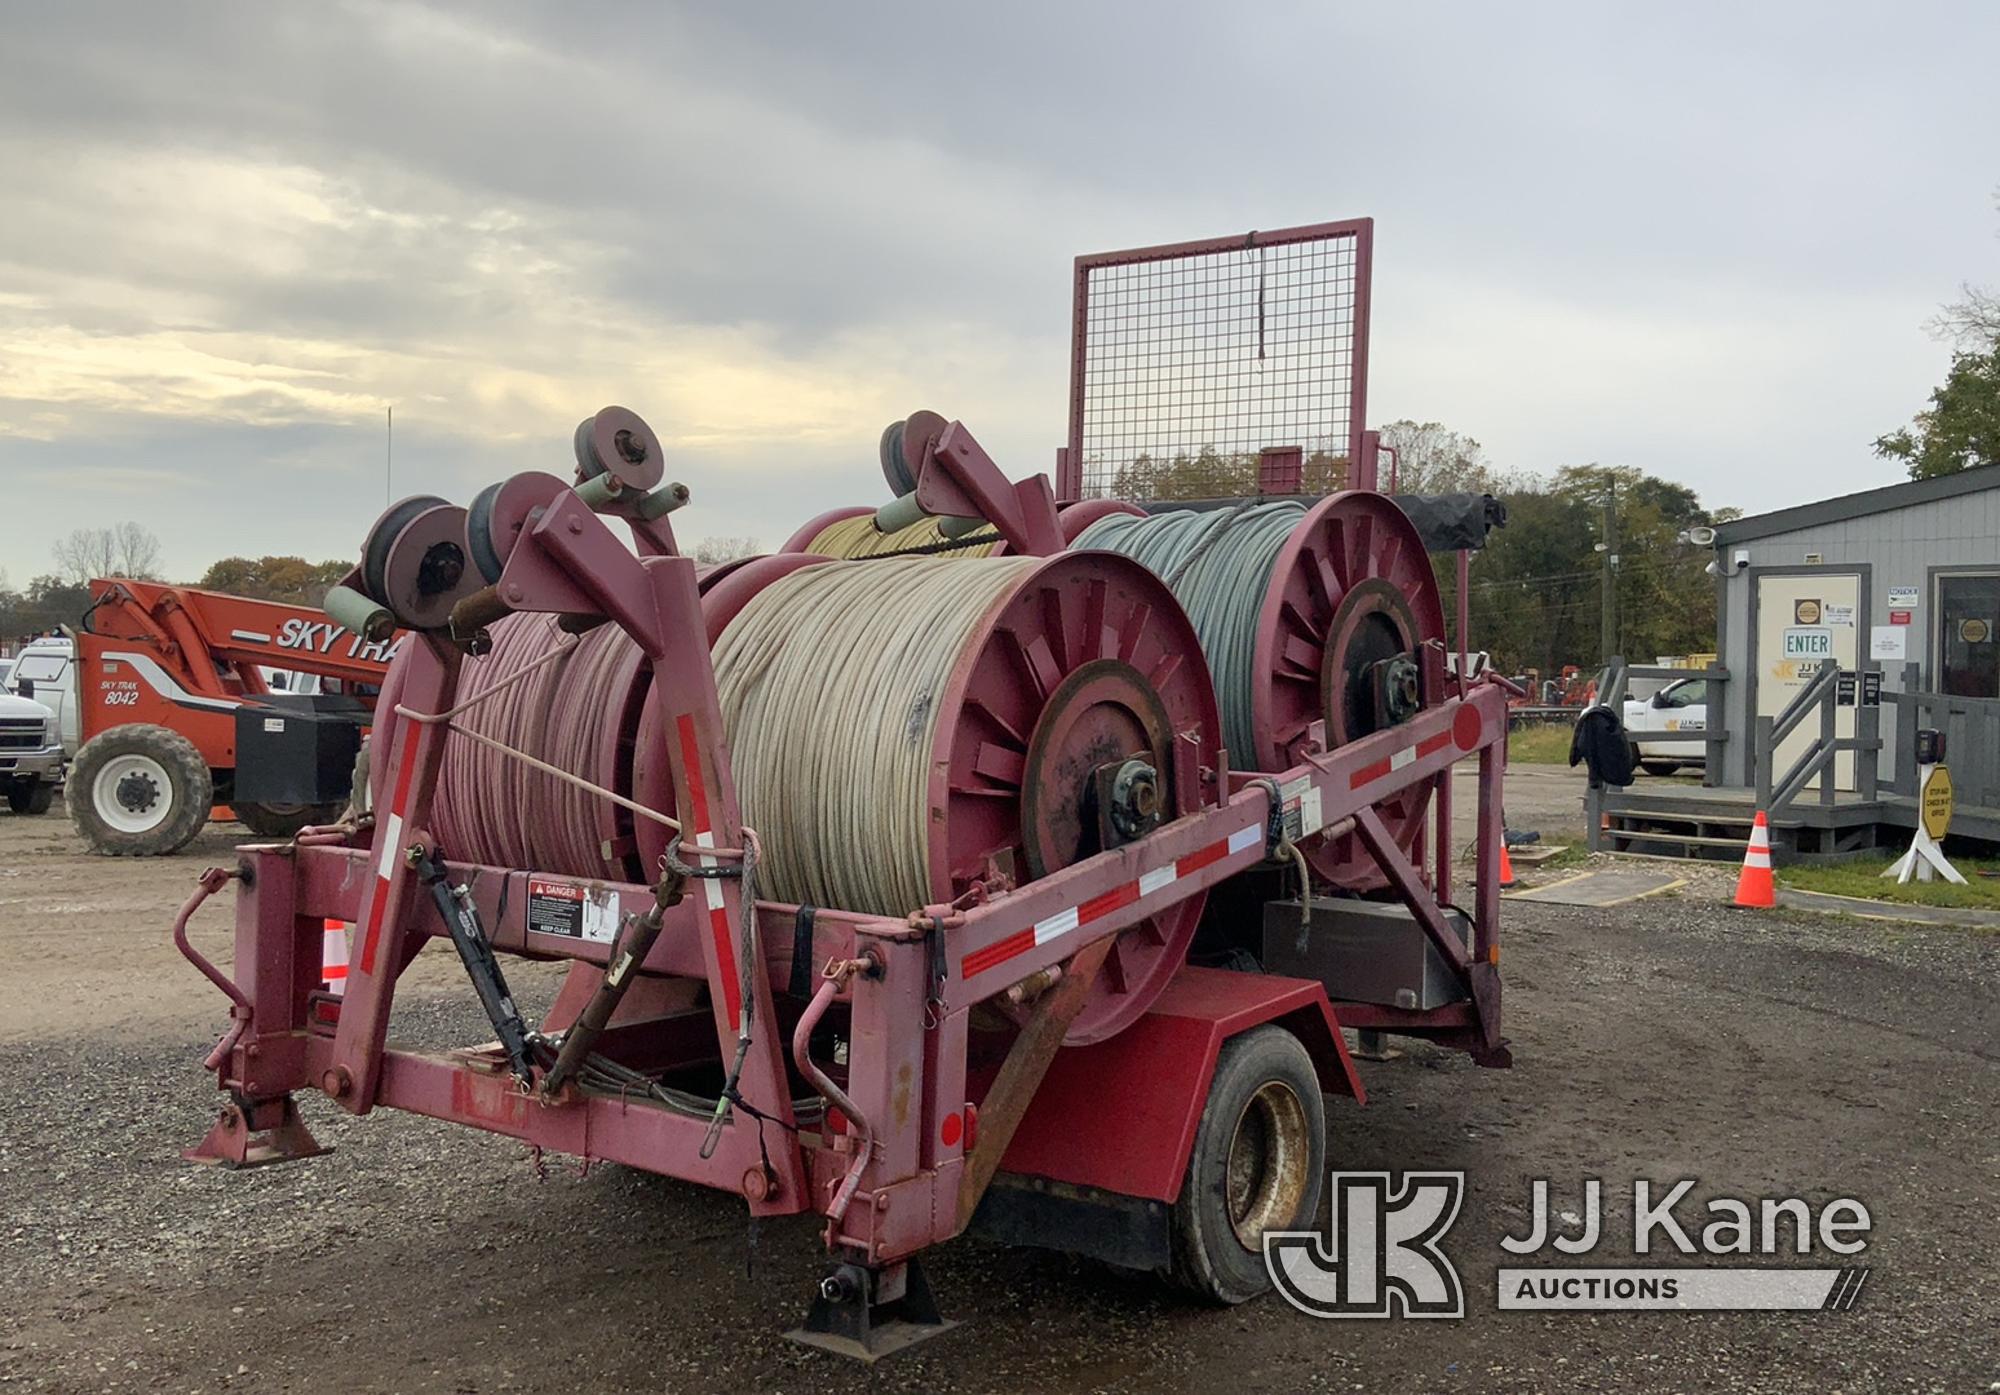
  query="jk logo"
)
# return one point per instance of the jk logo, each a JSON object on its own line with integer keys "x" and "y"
{"x": 1382, "y": 1246}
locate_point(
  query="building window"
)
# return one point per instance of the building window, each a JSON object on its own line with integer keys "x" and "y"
{"x": 1968, "y": 647}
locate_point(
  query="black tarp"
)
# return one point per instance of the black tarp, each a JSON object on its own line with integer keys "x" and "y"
{"x": 1449, "y": 522}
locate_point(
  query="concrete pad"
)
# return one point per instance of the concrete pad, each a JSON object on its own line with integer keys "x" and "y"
{"x": 1888, "y": 910}
{"x": 1611, "y": 887}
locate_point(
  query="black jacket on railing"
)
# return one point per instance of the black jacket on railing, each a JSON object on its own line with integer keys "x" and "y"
{"x": 1599, "y": 742}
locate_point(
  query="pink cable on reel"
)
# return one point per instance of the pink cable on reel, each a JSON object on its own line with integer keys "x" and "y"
{"x": 575, "y": 713}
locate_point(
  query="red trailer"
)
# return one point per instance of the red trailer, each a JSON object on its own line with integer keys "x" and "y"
{"x": 1027, "y": 1044}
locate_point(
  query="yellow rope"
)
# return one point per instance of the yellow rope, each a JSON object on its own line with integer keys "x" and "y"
{"x": 856, "y": 537}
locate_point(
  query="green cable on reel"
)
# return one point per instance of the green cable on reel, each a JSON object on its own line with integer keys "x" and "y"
{"x": 1218, "y": 564}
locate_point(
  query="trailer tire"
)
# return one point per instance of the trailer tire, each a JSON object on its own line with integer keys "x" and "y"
{"x": 31, "y": 797}
{"x": 283, "y": 820}
{"x": 140, "y": 791}
{"x": 1258, "y": 1165}
{"x": 1659, "y": 767}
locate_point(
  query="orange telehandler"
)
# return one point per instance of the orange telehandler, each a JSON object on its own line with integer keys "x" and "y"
{"x": 187, "y": 699}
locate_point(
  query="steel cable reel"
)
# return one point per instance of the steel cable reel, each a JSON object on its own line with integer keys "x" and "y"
{"x": 1052, "y": 681}
{"x": 902, "y": 730}
{"x": 1301, "y": 611}
{"x": 1352, "y": 594}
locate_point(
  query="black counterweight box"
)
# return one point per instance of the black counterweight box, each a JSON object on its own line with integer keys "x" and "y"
{"x": 295, "y": 749}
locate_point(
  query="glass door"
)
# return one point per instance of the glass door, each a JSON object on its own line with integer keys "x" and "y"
{"x": 1968, "y": 648}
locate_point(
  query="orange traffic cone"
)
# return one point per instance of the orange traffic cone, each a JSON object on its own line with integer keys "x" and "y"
{"x": 1506, "y": 868}
{"x": 333, "y": 956}
{"x": 1755, "y": 888}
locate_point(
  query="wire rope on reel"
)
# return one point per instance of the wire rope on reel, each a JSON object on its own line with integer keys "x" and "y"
{"x": 829, "y": 682}
{"x": 571, "y": 714}
{"x": 1218, "y": 564}
{"x": 1301, "y": 609}
{"x": 901, "y": 730}
{"x": 898, "y": 731}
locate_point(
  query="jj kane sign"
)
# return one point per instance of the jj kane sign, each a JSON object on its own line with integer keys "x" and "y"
{"x": 1384, "y": 1255}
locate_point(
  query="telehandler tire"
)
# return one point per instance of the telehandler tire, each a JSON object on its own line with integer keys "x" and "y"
{"x": 140, "y": 791}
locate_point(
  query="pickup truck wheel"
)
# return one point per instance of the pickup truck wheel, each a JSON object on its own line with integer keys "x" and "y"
{"x": 1659, "y": 767}
{"x": 283, "y": 820}
{"x": 31, "y": 797}
{"x": 1258, "y": 1165}
{"x": 140, "y": 791}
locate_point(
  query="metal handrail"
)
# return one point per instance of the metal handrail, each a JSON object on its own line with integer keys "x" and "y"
{"x": 1820, "y": 689}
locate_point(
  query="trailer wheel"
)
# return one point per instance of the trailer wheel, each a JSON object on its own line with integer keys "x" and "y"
{"x": 140, "y": 791}
{"x": 31, "y": 797}
{"x": 1258, "y": 1165}
{"x": 1659, "y": 767}
{"x": 283, "y": 820}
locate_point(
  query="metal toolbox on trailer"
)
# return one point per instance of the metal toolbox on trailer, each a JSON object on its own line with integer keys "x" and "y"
{"x": 1363, "y": 951}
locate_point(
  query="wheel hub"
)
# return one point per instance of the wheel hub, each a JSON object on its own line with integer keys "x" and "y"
{"x": 1265, "y": 1179}
{"x": 1102, "y": 718}
{"x": 1368, "y": 679}
{"x": 137, "y": 793}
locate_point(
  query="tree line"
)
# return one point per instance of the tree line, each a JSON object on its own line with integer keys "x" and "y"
{"x": 62, "y": 594}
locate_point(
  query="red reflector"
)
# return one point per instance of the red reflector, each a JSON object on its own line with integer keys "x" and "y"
{"x": 836, "y": 1122}
{"x": 326, "y": 1010}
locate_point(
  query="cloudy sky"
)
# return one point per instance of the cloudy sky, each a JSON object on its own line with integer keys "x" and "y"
{"x": 1699, "y": 239}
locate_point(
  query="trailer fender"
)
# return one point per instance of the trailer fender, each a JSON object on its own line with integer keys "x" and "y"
{"x": 1120, "y": 1115}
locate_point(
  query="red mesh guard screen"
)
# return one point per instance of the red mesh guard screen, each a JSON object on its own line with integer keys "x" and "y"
{"x": 1188, "y": 360}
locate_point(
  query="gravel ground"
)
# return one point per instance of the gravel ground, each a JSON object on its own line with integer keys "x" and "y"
{"x": 1766, "y": 1054}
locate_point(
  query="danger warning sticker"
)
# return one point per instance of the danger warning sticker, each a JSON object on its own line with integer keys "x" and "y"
{"x": 578, "y": 912}
{"x": 1301, "y": 808}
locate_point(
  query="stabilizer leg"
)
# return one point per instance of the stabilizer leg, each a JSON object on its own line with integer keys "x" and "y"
{"x": 253, "y": 1133}
{"x": 870, "y": 1313}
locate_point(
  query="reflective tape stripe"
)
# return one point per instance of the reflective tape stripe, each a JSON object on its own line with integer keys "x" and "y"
{"x": 1146, "y": 884}
{"x": 1389, "y": 765}
{"x": 392, "y": 835}
{"x": 704, "y": 837}
{"x": 392, "y": 839}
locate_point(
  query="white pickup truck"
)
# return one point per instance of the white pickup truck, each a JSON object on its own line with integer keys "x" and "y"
{"x": 1668, "y": 730}
{"x": 31, "y": 755}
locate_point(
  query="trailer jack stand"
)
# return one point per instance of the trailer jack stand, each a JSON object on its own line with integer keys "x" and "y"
{"x": 870, "y": 1313}
{"x": 253, "y": 1133}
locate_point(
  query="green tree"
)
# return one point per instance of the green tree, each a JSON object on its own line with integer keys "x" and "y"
{"x": 1961, "y": 428}
{"x": 1431, "y": 458}
{"x": 48, "y": 601}
{"x": 1537, "y": 590}
{"x": 292, "y": 580}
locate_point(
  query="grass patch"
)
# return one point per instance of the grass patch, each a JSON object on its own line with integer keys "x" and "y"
{"x": 1543, "y": 743}
{"x": 1863, "y": 877}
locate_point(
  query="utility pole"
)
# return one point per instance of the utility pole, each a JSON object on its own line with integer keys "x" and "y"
{"x": 1608, "y": 619}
